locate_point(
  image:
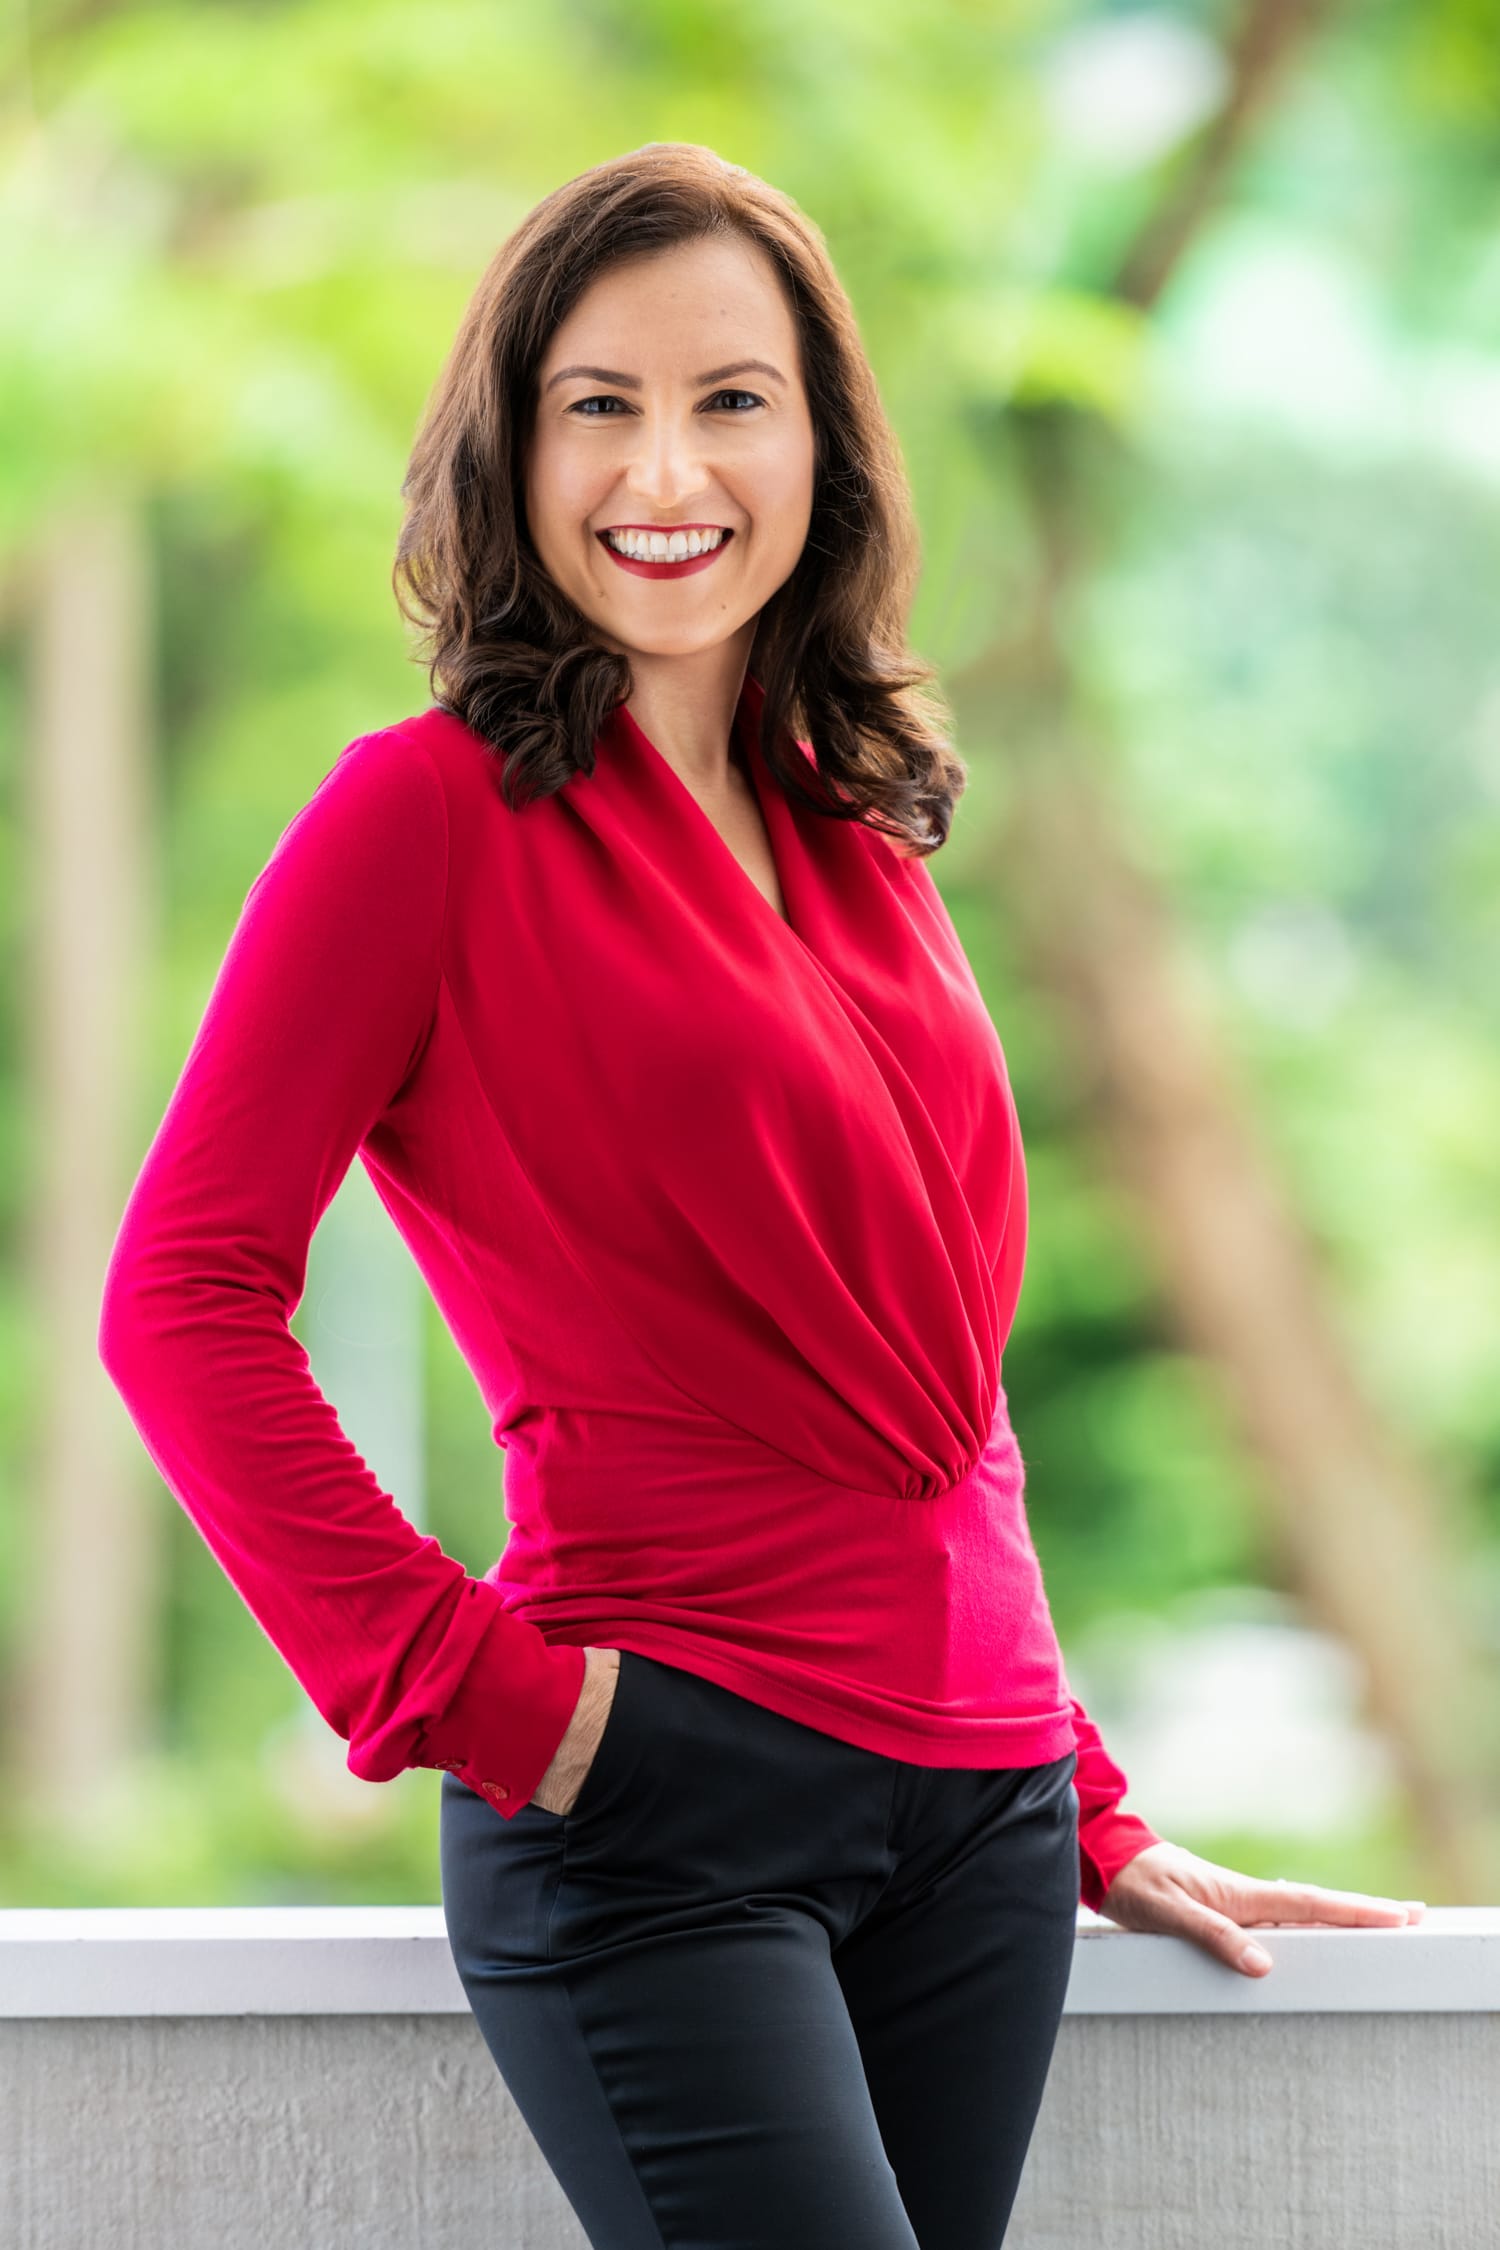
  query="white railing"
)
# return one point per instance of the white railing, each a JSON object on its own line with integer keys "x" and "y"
{"x": 311, "y": 2077}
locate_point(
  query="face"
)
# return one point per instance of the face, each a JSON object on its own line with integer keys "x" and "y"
{"x": 650, "y": 417}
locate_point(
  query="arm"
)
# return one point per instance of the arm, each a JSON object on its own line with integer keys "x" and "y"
{"x": 320, "y": 1011}
{"x": 1107, "y": 1837}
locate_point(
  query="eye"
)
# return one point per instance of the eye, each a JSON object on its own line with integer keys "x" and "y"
{"x": 611, "y": 398}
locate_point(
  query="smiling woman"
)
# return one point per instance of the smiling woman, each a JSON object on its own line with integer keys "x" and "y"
{"x": 663, "y": 346}
{"x": 766, "y": 1806}
{"x": 674, "y": 480}
{"x": 665, "y": 448}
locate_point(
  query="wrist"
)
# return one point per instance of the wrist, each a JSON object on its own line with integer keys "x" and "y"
{"x": 574, "y": 1753}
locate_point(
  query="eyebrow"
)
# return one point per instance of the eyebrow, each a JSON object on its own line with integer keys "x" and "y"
{"x": 634, "y": 383}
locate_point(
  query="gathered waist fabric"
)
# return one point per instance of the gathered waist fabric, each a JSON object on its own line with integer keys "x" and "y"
{"x": 916, "y": 1628}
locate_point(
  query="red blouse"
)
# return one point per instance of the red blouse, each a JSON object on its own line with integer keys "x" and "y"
{"x": 726, "y": 1213}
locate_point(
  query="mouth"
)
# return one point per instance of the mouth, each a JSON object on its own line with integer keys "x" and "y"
{"x": 658, "y": 566}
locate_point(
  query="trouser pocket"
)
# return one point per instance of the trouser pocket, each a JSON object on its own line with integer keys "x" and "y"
{"x": 599, "y": 1781}
{"x": 707, "y": 1797}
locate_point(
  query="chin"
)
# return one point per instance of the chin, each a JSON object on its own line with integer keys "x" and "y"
{"x": 674, "y": 644}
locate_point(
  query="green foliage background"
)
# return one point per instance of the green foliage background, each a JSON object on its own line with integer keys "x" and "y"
{"x": 235, "y": 242}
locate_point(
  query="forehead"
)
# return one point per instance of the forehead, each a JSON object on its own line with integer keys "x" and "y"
{"x": 722, "y": 288}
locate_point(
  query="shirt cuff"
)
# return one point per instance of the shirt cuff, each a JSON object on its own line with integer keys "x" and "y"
{"x": 1106, "y": 1843}
{"x": 501, "y": 1730}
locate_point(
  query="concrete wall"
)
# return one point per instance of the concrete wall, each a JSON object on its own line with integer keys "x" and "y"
{"x": 1187, "y": 2106}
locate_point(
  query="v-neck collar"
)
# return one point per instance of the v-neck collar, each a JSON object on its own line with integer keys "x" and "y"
{"x": 775, "y": 810}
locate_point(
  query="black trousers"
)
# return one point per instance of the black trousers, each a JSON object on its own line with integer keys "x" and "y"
{"x": 764, "y": 1990}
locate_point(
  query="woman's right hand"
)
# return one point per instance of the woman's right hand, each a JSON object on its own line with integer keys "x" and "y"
{"x": 557, "y": 1791}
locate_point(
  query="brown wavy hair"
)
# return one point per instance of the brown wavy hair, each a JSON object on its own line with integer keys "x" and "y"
{"x": 515, "y": 660}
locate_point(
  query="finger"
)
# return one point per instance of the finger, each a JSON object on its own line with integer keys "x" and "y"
{"x": 1219, "y": 1935}
{"x": 1310, "y": 1902}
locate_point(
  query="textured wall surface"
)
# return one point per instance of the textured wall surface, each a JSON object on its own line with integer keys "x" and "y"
{"x": 1305, "y": 2132}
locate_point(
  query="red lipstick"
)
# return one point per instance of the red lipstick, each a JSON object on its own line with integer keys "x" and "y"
{"x": 663, "y": 568}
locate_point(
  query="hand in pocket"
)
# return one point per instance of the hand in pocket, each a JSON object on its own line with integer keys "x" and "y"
{"x": 558, "y": 1789}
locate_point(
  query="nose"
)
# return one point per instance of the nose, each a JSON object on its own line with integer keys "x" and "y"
{"x": 667, "y": 468}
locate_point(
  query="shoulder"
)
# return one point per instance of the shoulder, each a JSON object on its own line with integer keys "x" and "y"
{"x": 409, "y": 757}
{"x": 377, "y": 817}
{"x": 461, "y": 758}
{"x": 891, "y": 854}
{"x": 425, "y": 767}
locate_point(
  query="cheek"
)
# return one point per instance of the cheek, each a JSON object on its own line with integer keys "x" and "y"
{"x": 789, "y": 479}
{"x": 557, "y": 501}
{"x": 786, "y": 503}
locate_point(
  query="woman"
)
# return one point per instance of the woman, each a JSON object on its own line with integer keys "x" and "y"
{"x": 766, "y": 1808}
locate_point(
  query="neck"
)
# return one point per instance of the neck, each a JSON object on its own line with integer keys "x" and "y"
{"x": 685, "y": 707}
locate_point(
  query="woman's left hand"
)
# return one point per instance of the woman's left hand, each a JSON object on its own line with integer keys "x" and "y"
{"x": 1170, "y": 1889}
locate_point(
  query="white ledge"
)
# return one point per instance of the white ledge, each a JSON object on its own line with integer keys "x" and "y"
{"x": 394, "y": 1960}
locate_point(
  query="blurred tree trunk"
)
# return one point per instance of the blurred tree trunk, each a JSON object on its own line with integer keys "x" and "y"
{"x": 85, "y": 1689}
{"x": 1365, "y": 1539}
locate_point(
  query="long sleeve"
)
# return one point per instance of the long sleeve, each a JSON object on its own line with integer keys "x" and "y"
{"x": 320, "y": 1011}
{"x": 1107, "y": 1837}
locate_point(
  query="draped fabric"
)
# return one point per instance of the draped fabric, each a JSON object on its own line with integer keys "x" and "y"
{"x": 783, "y": 1152}
{"x": 726, "y": 1212}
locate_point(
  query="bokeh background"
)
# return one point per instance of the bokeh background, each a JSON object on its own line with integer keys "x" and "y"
{"x": 1188, "y": 320}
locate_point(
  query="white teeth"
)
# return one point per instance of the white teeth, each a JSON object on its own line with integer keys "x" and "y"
{"x": 663, "y": 546}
